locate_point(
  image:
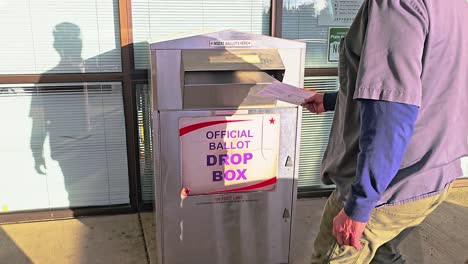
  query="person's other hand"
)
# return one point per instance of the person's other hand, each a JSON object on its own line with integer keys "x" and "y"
{"x": 314, "y": 103}
{"x": 40, "y": 166}
{"x": 347, "y": 231}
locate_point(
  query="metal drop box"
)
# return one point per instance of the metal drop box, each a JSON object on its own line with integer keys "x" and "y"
{"x": 226, "y": 159}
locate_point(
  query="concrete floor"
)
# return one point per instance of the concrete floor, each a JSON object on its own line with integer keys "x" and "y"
{"x": 108, "y": 239}
{"x": 441, "y": 239}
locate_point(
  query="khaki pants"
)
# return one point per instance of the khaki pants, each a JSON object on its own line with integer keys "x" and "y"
{"x": 387, "y": 227}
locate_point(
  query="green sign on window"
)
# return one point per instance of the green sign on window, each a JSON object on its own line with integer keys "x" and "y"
{"x": 335, "y": 34}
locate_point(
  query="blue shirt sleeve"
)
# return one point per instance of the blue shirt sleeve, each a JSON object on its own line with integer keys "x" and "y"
{"x": 386, "y": 128}
{"x": 329, "y": 101}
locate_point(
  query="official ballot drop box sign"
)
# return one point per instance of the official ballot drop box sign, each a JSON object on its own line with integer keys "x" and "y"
{"x": 229, "y": 154}
{"x": 225, "y": 159}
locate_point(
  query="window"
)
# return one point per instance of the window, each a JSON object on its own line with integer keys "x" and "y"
{"x": 321, "y": 24}
{"x": 59, "y": 36}
{"x": 314, "y": 135}
{"x": 145, "y": 130}
{"x": 464, "y": 163}
{"x": 157, "y": 20}
{"x": 63, "y": 145}
{"x": 315, "y": 21}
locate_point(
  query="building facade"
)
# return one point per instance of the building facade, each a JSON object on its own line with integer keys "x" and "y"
{"x": 74, "y": 95}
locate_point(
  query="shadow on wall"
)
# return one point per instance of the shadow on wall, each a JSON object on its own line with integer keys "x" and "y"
{"x": 78, "y": 132}
{"x": 70, "y": 133}
{"x": 70, "y": 146}
{"x": 64, "y": 123}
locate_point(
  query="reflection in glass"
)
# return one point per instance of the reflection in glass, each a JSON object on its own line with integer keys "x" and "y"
{"x": 63, "y": 145}
{"x": 158, "y": 20}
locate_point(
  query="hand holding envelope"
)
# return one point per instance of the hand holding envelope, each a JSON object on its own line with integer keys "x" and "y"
{"x": 315, "y": 103}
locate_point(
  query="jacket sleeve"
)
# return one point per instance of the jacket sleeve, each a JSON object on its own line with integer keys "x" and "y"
{"x": 386, "y": 129}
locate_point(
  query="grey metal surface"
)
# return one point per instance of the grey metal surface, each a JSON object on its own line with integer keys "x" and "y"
{"x": 203, "y": 41}
{"x": 167, "y": 82}
{"x": 203, "y": 230}
{"x": 227, "y": 78}
{"x": 297, "y": 141}
{"x": 158, "y": 178}
{"x": 232, "y": 59}
{"x": 225, "y": 89}
{"x": 293, "y": 60}
{"x": 223, "y": 96}
{"x": 189, "y": 79}
{"x": 167, "y": 72}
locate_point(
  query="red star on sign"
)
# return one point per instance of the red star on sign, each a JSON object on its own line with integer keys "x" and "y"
{"x": 272, "y": 120}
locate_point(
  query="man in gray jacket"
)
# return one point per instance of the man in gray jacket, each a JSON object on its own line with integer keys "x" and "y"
{"x": 400, "y": 126}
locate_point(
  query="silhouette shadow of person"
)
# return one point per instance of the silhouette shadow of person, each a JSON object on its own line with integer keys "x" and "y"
{"x": 64, "y": 115}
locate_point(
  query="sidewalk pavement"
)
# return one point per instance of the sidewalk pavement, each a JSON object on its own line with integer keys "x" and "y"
{"x": 442, "y": 238}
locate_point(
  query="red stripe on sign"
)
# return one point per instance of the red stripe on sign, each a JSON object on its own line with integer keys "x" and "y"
{"x": 250, "y": 187}
{"x": 188, "y": 129}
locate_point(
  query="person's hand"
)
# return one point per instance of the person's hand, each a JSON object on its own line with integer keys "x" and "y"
{"x": 314, "y": 103}
{"x": 40, "y": 166}
{"x": 347, "y": 231}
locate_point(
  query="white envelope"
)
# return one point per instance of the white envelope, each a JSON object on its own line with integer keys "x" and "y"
{"x": 286, "y": 93}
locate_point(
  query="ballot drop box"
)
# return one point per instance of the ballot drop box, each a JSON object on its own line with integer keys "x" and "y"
{"x": 226, "y": 159}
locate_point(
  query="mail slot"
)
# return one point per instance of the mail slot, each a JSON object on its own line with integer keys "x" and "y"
{"x": 226, "y": 89}
{"x": 226, "y": 158}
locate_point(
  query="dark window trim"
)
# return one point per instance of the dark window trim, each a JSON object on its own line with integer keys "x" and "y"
{"x": 311, "y": 192}
{"x": 60, "y": 78}
{"x": 140, "y": 76}
{"x": 318, "y": 72}
{"x": 276, "y": 18}
{"x": 131, "y": 119}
